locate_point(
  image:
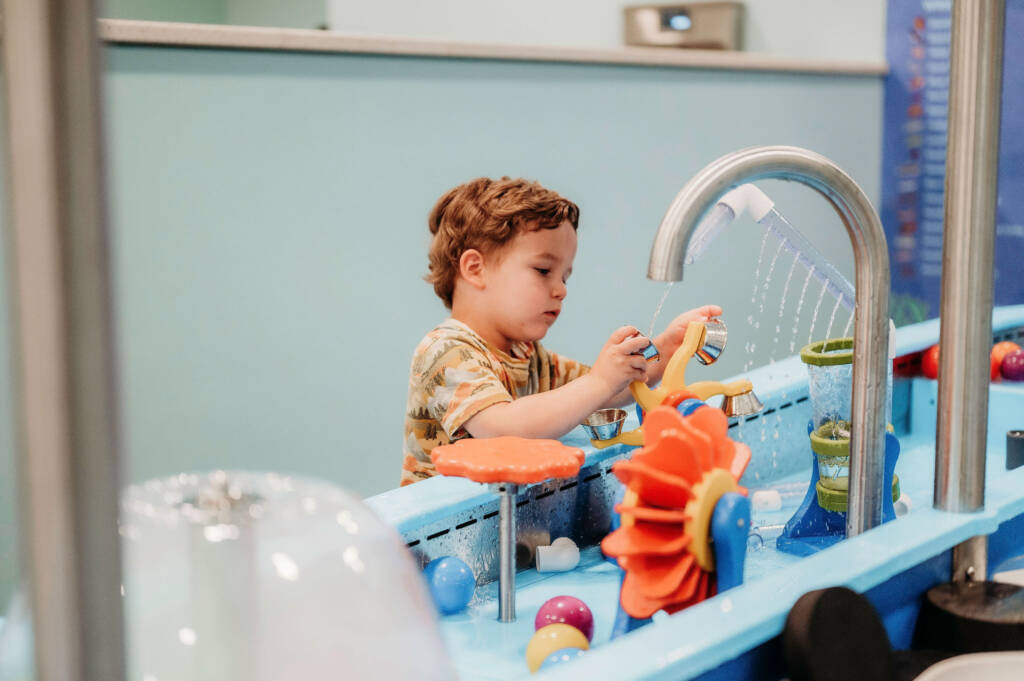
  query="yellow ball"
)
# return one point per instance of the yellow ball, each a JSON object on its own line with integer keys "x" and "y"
{"x": 550, "y": 638}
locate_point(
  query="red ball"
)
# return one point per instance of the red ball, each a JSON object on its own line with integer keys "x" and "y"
{"x": 568, "y": 610}
{"x": 1013, "y": 366}
{"x": 930, "y": 362}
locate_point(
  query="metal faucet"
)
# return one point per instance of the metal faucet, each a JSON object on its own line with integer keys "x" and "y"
{"x": 871, "y": 258}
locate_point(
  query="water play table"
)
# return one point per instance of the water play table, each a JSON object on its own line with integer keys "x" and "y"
{"x": 733, "y": 635}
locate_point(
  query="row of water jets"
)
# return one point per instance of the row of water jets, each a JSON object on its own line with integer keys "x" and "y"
{"x": 759, "y": 300}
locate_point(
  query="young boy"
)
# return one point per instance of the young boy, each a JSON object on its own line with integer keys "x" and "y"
{"x": 500, "y": 257}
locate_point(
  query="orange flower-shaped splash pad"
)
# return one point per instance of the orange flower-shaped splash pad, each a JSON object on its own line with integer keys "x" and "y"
{"x": 507, "y": 459}
{"x": 672, "y": 486}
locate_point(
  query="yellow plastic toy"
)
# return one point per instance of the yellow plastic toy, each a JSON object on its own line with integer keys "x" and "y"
{"x": 674, "y": 381}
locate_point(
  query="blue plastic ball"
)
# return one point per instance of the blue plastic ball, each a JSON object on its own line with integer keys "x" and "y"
{"x": 451, "y": 583}
{"x": 560, "y": 656}
{"x": 690, "y": 405}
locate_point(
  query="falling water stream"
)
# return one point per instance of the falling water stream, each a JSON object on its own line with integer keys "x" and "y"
{"x": 799, "y": 307}
{"x": 817, "y": 307}
{"x": 818, "y": 267}
{"x": 749, "y": 347}
{"x": 832, "y": 319}
{"x": 657, "y": 310}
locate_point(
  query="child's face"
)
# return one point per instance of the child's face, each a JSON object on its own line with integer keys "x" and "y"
{"x": 526, "y": 281}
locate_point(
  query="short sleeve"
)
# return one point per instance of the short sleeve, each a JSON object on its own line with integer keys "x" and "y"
{"x": 564, "y": 369}
{"x": 458, "y": 383}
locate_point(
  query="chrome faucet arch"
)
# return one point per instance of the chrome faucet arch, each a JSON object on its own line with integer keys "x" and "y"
{"x": 871, "y": 258}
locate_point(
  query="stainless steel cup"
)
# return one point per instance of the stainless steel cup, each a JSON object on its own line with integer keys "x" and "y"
{"x": 650, "y": 352}
{"x": 715, "y": 335}
{"x": 604, "y": 424}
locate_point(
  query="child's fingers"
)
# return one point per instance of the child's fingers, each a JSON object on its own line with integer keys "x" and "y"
{"x": 634, "y": 345}
{"x": 710, "y": 310}
{"x": 622, "y": 333}
{"x": 637, "y": 362}
{"x": 640, "y": 374}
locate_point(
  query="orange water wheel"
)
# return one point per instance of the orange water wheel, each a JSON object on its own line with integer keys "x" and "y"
{"x": 672, "y": 485}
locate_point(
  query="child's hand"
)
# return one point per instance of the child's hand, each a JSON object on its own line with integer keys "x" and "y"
{"x": 672, "y": 337}
{"x": 617, "y": 364}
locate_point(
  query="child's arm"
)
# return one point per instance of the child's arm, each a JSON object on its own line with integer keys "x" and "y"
{"x": 554, "y": 413}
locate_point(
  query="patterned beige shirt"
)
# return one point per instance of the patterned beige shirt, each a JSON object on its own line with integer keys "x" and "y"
{"x": 456, "y": 374}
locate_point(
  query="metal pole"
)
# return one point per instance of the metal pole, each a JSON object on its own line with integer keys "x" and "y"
{"x": 968, "y": 252}
{"x": 67, "y": 435}
{"x": 507, "y": 553}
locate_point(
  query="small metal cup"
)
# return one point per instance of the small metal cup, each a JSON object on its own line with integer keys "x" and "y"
{"x": 650, "y": 352}
{"x": 743, "y": 404}
{"x": 604, "y": 424}
{"x": 715, "y": 336}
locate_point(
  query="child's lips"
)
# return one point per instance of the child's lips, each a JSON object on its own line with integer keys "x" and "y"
{"x": 551, "y": 315}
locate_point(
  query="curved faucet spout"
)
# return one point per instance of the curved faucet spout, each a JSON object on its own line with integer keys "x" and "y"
{"x": 871, "y": 257}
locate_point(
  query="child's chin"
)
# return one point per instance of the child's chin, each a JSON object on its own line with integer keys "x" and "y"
{"x": 535, "y": 333}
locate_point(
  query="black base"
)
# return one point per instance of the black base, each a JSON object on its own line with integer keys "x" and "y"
{"x": 972, "y": 617}
{"x": 835, "y": 634}
{"x": 1014, "y": 449}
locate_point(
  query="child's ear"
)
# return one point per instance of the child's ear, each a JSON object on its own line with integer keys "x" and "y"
{"x": 471, "y": 267}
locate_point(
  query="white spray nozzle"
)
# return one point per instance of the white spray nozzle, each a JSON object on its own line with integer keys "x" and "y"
{"x": 747, "y": 197}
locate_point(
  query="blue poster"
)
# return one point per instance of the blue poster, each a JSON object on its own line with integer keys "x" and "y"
{"x": 914, "y": 156}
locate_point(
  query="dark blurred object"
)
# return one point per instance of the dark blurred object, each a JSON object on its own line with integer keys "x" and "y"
{"x": 699, "y": 25}
{"x": 1014, "y": 449}
{"x": 971, "y": 617}
{"x": 835, "y": 634}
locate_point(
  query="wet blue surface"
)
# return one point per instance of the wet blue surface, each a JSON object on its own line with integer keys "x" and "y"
{"x": 482, "y": 648}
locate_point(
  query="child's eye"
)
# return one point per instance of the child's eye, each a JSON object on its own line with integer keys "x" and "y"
{"x": 543, "y": 272}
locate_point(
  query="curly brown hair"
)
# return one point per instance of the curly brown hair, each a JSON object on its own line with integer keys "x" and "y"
{"x": 486, "y": 214}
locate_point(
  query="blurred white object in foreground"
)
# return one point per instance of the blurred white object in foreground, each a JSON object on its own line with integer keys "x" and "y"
{"x": 233, "y": 576}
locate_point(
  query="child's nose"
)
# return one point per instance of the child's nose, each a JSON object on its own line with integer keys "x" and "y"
{"x": 560, "y": 290}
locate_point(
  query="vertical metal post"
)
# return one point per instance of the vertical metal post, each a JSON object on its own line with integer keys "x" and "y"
{"x": 507, "y": 555}
{"x": 67, "y": 442}
{"x": 968, "y": 251}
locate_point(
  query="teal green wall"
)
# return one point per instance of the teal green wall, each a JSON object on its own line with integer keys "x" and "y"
{"x": 189, "y": 11}
{"x": 269, "y": 228}
{"x": 291, "y": 14}
{"x": 269, "y": 216}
